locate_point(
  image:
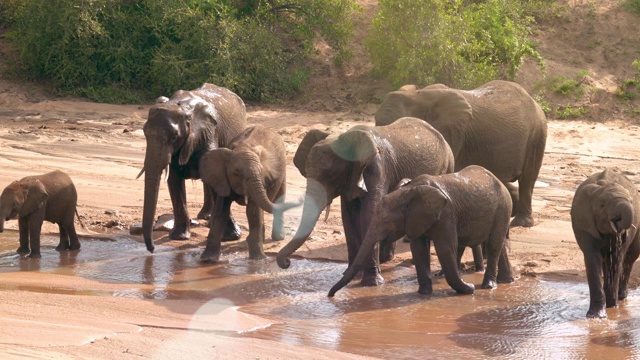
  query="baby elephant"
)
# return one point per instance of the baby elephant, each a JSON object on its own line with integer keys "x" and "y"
{"x": 251, "y": 172}
{"x": 32, "y": 200}
{"x": 605, "y": 215}
{"x": 468, "y": 208}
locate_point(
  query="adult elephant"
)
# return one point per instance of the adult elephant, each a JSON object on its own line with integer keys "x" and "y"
{"x": 497, "y": 126}
{"x": 605, "y": 216}
{"x": 178, "y": 130}
{"x": 361, "y": 166}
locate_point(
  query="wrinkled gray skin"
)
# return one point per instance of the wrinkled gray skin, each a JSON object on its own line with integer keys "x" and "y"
{"x": 251, "y": 172}
{"x": 468, "y": 208}
{"x": 497, "y": 126}
{"x": 34, "y": 199}
{"x": 605, "y": 216}
{"x": 178, "y": 130}
{"x": 361, "y": 166}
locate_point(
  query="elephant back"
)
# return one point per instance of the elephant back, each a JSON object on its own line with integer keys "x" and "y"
{"x": 231, "y": 110}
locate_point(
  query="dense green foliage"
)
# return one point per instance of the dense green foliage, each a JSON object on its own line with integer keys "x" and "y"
{"x": 456, "y": 42}
{"x": 124, "y": 50}
{"x": 633, "y": 6}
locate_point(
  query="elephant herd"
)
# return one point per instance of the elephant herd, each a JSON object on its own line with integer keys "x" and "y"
{"x": 437, "y": 166}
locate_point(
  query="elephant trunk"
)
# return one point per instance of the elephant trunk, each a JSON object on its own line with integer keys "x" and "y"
{"x": 372, "y": 237}
{"x": 315, "y": 201}
{"x": 257, "y": 192}
{"x": 621, "y": 220}
{"x": 153, "y": 166}
{"x": 622, "y": 216}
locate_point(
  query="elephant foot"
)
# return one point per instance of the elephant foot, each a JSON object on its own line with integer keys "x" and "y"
{"x": 489, "y": 284}
{"x": 425, "y": 289}
{"x": 277, "y": 236}
{"x": 62, "y": 247}
{"x": 596, "y": 312}
{"x": 35, "y": 255}
{"x": 506, "y": 279}
{"x": 179, "y": 234}
{"x": 465, "y": 288}
{"x": 209, "y": 256}
{"x": 257, "y": 257}
{"x": 522, "y": 220}
{"x": 74, "y": 246}
{"x": 372, "y": 278}
{"x": 23, "y": 250}
{"x": 478, "y": 267}
{"x": 204, "y": 215}
{"x": 232, "y": 232}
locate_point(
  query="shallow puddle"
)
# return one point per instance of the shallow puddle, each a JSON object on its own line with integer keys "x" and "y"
{"x": 528, "y": 319}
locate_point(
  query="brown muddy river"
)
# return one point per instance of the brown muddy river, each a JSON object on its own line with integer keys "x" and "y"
{"x": 529, "y": 319}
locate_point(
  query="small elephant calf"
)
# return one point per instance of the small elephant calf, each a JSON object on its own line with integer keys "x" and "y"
{"x": 33, "y": 199}
{"x": 468, "y": 208}
{"x": 605, "y": 216}
{"x": 251, "y": 172}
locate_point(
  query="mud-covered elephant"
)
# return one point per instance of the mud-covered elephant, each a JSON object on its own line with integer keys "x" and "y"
{"x": 361, "y": 165}
{"x": 605, "y": 216}
{"x": 34, "y": 199}
{"x": 251, "y": 172}
{"x": 177, "y": 131}
{"x": 497, "y": 126}
{"x": 468, "y": 208}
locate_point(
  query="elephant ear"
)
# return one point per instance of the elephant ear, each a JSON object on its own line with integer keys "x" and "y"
{"x": 582, "y": 208}
{"x": 443, "y": 108}
{"x": 201, "y": 120}
{"x": 359, "y": 148}
{"x": 310, "y": 139}
{"x": 35, "y": 196}
{"x": 213, "y": 170}
{"x": 424, "y": 209}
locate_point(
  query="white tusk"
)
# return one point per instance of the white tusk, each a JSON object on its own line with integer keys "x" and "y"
{"x": 613, "y": 226}
{"x": 246, "y": 200}
{"x": 140, "y": 174}
{"x": 166, "y": 173}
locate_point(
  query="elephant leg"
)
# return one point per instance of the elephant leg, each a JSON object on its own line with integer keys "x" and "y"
{"x": 478, "y": 260}
{"x": 515, "y": 196}
{"x": 207, "y": 206}
{"x": 64, "y": 239}
{"x": 277, "y": 229}
{"x": 446, "y": 249}
{"x": 593, "y": 265}
{"x": 631, "y": 256}
{"x": 74, "y": 242}
{"x": 178, "y": 195}
{"x": 505, "y": 274}
{"x": 221, "y": 212}
{"x": 387, "y": 250}
{"x": 35, "y": 220}
{"x": 23, "y": 225}
{"x": 422, "y": 260}
{"x": 522, "y": 208}
{"x": 255, "y": 239}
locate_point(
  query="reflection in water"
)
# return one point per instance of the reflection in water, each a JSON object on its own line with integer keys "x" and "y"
{"x": 526, "y": 319}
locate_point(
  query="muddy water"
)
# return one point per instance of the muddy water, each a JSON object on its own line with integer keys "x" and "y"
{"x": 527, "y": 319}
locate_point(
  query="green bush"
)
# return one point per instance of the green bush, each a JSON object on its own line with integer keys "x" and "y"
{"x": 633, "y": 6}
{"x": 126, "y": 51}
{"x": 455, "y": 42}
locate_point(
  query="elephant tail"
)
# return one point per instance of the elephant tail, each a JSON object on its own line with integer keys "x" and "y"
{"x": 80, "y": 221}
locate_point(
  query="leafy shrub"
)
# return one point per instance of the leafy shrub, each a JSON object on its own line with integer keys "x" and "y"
{"x": 567, "y": 86}
{"x": 633, "y": 6}
{"x": 123, "y": 51}
{"x": 456, "y": 42}
{"x": 570, "y": 112}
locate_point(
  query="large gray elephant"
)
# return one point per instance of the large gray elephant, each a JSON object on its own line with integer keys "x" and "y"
{"x": 468, "y": 208}
{"x": 35, "y": 199}
{"x": 178, "y": 130}
{"x": 605, "y": 216}
{"x": 361, "y": 165}
{"x": 497, "y": 126}
{"x": 251, "y": 172}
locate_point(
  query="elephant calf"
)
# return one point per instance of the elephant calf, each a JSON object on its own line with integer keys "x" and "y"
{"x": 33, "y": 199}
{"x": 251, "y": 172}
{"x": 605, "y": 215}
{"x": 468, "y": 208}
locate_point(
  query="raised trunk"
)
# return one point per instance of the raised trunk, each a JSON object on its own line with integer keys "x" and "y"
{"x": 364, "y": 253}
{"x": 314, "y": 202}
